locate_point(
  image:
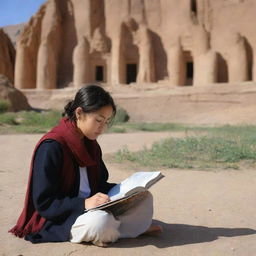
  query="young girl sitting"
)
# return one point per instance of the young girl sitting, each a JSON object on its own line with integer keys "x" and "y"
{"x": 68, "y": 177}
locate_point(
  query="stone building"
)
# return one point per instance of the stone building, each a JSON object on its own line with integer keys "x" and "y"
{"x": 185, "y": 42}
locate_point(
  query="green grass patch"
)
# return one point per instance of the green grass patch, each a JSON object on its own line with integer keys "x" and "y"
{"x": 28, "y": 121}
{"x": 223, "y": 147}
{"x": 209, "y": 147}
{"x": 39, "y": 122}
{"x": 147, "y": 127}
{"x": 155, "y": 127}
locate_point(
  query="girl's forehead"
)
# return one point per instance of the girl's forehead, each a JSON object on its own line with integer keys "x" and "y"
{"x": 105, "y": 112}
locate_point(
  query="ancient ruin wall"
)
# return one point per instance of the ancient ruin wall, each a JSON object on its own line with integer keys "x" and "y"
{"x": 185, "y": 42}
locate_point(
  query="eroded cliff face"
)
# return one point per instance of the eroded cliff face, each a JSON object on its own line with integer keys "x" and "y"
{"x": 7, "y": 56}
{"x": 185, "y": 42}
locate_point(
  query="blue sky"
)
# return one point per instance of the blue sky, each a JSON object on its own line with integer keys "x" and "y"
{"x": 17, "y": 11}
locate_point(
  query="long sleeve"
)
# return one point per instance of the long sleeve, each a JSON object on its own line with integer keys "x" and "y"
{"x": 48, "y": 200}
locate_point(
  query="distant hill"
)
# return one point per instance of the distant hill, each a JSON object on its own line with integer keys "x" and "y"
{"x": 13, "y": 31}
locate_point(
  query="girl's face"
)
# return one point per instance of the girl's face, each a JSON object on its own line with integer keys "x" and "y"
{"x": 93, "y": 124}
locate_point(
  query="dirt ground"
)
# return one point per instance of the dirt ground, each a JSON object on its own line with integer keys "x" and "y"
{"x": 202, "y": 212}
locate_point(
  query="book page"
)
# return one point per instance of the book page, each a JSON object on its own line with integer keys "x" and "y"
{"x": 138, "y": 180}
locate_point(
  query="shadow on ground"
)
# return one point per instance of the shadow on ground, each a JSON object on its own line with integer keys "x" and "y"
{"x": 183, "y": 234}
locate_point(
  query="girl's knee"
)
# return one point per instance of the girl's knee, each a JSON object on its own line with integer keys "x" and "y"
{"x": 96, "y": 226}
{"x": 105, "y": 227}
{"x": 104, "y": 220}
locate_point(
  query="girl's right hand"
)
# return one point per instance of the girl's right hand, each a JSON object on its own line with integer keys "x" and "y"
{"x": 96, "y": 200}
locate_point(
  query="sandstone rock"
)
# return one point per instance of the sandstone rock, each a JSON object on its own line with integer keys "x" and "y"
{"x": 238, "y": 65}
{"x": 49, "y": 47}
{"x": 99, "y": 42}
{"x": 146, "y": 59}
{"x": 205, "y": 68}
{"x": 27, "y": 50}
{"x": 175, "y": 68}
{"x": 16, "y": 99}
{"x": 13, "y": 31}
{"x": 81, "y": 63}
{"x": 7, "y": 56}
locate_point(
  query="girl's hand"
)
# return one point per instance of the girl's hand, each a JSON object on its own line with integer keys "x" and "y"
{"x": 96, "y": 200}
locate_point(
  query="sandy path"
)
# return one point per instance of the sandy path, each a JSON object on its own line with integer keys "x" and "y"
{"x": 203, "y": 213}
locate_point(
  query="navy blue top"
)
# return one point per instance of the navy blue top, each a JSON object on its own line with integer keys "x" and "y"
{"x": 59, "y": 211}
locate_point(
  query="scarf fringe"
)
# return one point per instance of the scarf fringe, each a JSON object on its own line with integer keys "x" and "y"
{"x": 19, "y": 232}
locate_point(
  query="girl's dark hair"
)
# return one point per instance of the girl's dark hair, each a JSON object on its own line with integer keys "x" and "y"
{"x": 90, "y": 98}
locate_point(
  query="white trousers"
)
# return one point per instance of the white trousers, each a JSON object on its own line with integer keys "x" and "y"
{"x": 101, "y": 226}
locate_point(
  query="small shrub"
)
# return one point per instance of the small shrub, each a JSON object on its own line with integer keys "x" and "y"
{"x": 4, "y": 105}
{"x": 121, "y": 116}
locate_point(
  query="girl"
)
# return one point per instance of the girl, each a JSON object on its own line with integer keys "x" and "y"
{"x": 68, "y": 177}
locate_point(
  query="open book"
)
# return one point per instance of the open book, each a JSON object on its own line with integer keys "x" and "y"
{"x": 129, "y": 192}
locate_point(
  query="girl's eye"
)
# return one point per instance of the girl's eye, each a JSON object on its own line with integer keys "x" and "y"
{"x": 107, "y": 123}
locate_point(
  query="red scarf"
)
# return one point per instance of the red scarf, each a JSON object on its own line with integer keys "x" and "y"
{"x": 85, "y": 152}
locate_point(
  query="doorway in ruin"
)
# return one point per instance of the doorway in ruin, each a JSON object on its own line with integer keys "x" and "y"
{"x": 188, "y": 68}
{"x": 98, "y": 70}
{"x": 99, "y": 73}
{"x": 131, "y": 73}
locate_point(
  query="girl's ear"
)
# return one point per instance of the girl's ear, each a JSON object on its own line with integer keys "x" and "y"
{"x": 78, "y": 113}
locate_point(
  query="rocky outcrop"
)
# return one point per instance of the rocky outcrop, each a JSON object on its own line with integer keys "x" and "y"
{"x": 7, "y": 56}
{"x": 16, "y": 99}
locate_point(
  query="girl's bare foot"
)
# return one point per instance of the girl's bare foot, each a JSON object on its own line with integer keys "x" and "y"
{"x": 154, "y": 230}
{"x": 100, "y": 244}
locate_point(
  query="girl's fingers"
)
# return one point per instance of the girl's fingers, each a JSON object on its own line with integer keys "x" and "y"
{"x": 103, "y": 196}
